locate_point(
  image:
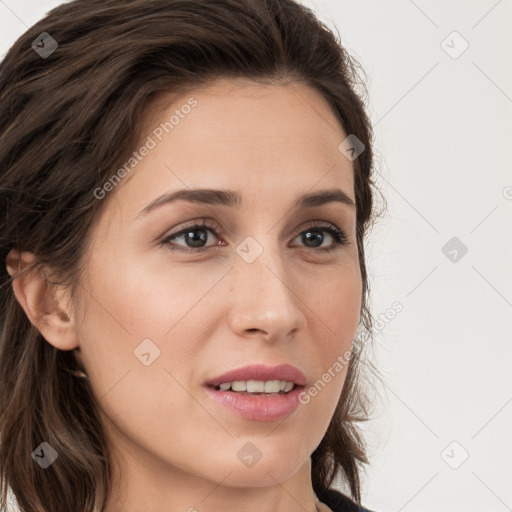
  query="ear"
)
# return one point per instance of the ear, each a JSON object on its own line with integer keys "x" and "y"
{"x": 45, "y": 305}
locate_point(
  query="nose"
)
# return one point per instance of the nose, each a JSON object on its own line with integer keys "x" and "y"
{"x": 265, "y": 303}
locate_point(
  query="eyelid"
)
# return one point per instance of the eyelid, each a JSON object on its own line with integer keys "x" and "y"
{"x": 338, "y": 234}
{"x": 197, "y": 224}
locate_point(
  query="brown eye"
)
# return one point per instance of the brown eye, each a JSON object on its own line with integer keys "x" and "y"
{"x": 314, "y": 239}
{"x": 196, "y": 235}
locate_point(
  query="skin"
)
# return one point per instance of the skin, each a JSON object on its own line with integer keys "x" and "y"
{"x": 212, "y": 311}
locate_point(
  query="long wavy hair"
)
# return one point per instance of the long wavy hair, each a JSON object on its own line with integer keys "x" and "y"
{"x": 67, "y": 120}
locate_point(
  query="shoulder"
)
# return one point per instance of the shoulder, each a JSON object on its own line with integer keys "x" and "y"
{"x": 338, "y": 502}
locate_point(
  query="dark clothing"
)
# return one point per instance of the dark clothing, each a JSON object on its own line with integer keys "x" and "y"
{"x": 338, "y": 502}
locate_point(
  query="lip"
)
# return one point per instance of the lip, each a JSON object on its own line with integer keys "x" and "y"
{"x": 257, "y": 407}
{"x": 261, "y": 372}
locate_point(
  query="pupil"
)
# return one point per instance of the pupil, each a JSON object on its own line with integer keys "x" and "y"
{"x": 195, "y": 239}
{"x": 319, "y": 236}
{"x": 311, "y": 236}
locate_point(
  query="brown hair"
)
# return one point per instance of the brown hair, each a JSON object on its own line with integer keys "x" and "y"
{"x": 70, "y": 118}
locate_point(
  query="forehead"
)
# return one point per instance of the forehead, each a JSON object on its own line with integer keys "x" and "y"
{"x": 255, "y": 138}
{"x": 242, "y": 109}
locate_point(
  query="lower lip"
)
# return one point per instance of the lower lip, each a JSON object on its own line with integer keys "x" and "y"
{"x": 258, "y": 407}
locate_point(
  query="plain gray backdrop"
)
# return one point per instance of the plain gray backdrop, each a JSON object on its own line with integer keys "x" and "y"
{"x": 439, "y": 77}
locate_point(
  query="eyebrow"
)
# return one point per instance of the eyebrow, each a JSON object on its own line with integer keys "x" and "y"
{"x": 234, "y": 200}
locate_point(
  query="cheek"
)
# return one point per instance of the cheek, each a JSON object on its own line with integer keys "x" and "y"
{"x": 124, "y": 306}
{"x": 142, "y": 300}
{"x": 335, "y": 321}
{"x": 335, "y": 315}
{"x": 131, "y": 303}
{"x": 336, "y": 302}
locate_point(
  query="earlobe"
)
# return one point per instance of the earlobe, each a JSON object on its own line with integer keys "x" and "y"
{"x": 42, "y": 302}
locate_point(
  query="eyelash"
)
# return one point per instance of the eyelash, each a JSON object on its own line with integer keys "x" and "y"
{"x": 340, "y": 239}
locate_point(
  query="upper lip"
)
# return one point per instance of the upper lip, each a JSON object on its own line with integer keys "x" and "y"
{"x": 261, "y": 372}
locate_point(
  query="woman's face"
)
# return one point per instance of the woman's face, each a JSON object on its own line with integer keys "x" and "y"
{"x": 259, "y": 288}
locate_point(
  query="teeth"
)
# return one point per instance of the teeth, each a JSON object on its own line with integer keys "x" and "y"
{"x": 239, "y": 385}
{"x": 258, "y": 386}
{"x": 255, "y": 386}
{"x": 288, "y": 387}
{"x": 272, "y": 386}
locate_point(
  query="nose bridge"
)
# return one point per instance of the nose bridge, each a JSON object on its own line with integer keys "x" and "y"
{"x": 265, "y": 299}
{"x": 262, "y": 264}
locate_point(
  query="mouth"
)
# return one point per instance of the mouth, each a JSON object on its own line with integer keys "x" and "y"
{"x": 259, "y": 392}
{"x": 259, "y": 378}
{"x": 257, "y": 387}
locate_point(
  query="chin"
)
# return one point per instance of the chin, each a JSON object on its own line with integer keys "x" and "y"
{"x": 276, "y": 466}
{"x": 264, "y": 476}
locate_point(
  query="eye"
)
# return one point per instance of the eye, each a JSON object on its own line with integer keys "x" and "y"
{"x": 313, "y": 235}
{"x": 196, "y": 235}
{"x": 189, "y": 236}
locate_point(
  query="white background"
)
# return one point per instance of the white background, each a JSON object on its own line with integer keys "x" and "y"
{"x": 443, "y": 133}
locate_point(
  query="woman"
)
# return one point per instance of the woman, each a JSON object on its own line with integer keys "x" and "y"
{"x": 186, "y": 187}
